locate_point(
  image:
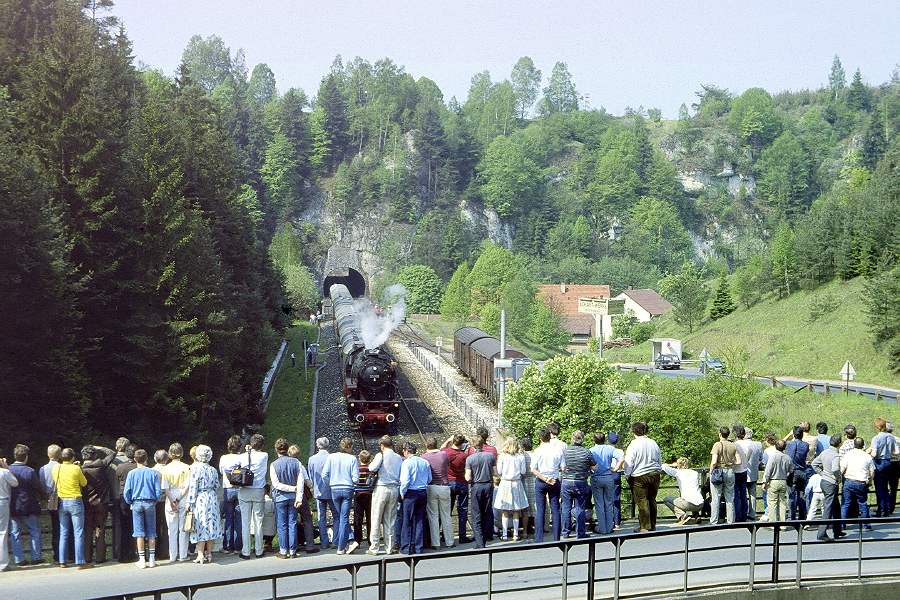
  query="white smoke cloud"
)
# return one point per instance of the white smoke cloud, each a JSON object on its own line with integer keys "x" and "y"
{"x": 375, "y": 328}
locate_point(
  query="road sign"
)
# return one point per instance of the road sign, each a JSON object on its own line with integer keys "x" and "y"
{"x": 601, "y": 306}
{"x": 503, "y": 363}
{"x": 848, "y": 373}
{"x": 704, "y": 354}
{"x": 438, "y": 341}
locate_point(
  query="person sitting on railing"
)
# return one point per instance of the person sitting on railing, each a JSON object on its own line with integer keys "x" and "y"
{"x": 642, "y": 467}
{"x": 857, "y": 469}
{"x": 779, "y": 468}
{"x": 828, "y": 466}
{"x": 689, "y": 503}
{"x": 849, "y": 443}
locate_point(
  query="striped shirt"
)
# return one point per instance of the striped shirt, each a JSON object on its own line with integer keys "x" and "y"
{"x": 362, "y": 483}
{"x": 578, "y": 461}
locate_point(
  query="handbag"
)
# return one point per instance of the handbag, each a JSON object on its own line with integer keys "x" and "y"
{"x": 239, "y": 476}
{"x": 188, "y": 526}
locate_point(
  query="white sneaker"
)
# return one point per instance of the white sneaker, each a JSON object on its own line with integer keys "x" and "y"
{"x": 352, "y": 547}
{"x": 339, "y": 552}
{"x": 141, "y": 564}
{"x": 372, "y": 552}
{"x": 152, "y": 563}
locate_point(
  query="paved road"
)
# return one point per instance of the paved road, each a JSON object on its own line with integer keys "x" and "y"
{"x": 888, "y": 394}
{"x": 543, "y": 570}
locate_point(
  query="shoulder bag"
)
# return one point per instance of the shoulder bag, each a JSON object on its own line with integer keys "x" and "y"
{"x": 239, "y": 476}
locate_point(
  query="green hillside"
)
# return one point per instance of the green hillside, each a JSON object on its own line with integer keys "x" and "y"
{"x": 808, "y": 334}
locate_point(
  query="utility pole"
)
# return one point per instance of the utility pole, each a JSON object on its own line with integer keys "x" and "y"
{"x": 502, "y": 370}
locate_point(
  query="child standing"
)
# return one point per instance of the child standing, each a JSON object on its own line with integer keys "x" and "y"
{"x": 362, "y": 501}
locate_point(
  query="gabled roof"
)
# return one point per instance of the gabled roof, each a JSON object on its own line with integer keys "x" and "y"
{"x": 564, "y": 298}
{"x": 649, "y": 300}
{"x": 580, "y": 325}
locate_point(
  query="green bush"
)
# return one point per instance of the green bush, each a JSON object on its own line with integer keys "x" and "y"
{"x": 424, "y": 289}
{"x": 678, "y": 414}
{"x": 580, "y": 391}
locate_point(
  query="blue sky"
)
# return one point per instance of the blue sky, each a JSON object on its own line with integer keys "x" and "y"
{"x": 634, "y": 53}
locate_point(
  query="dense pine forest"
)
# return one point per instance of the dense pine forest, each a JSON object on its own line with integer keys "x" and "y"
{"x": 159, "y": 230}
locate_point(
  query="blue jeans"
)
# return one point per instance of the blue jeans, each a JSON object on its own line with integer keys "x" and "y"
{"x": 603, "y": 489}
{"x": 412, "y": 536}
{"x": 343, "y": 500}
{"x": 322, "y": 505}
{"x": 741, "y": 506}
{"x": 71, "y": 518}
{"x": 798, "y": 494}
{"x": 882, "y": 487}
{"x": 542, "y": 492}
{"x": 855, "y": 493}
{"x": 574, "y": 492}
{"x": 232, "y": 511}
{"x": 459, "y": 495}
{"x": 17, "y": 526}
{"x": 143, "y": 519}
{"x": 617, "y": 502}
{"x": 286, "y": 525}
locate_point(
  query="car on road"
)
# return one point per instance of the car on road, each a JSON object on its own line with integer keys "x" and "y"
{"x": 667, "y": 361}
{"x": 712, "y": 365}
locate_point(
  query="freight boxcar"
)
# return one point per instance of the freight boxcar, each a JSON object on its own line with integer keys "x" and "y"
{"x": 462, "y": 339}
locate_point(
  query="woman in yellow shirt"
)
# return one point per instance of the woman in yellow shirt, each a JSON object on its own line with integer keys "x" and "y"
{"x": 69, "y": 480}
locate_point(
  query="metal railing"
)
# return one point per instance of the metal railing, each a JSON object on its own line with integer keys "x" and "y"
{"x": 599, "y": 567}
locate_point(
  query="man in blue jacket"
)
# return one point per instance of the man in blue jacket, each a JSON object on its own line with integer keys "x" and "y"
{"x": 25, "y": 508}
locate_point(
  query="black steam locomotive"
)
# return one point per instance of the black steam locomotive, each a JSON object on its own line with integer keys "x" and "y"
{"x": 369, "y": 374}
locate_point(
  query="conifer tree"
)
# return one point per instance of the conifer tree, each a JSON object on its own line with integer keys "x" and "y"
{"x": 858, "y": 96}
{"x": 722, "y": 303}
{"x": 457, "y": 296}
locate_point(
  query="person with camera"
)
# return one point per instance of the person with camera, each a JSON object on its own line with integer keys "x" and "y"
{"x": 8, "y": 481}
{"x": 251, "y": 498}
{"x": 230, "y": 461}
{"x": 69, "y": 480}
{"x": 96, "y": 461}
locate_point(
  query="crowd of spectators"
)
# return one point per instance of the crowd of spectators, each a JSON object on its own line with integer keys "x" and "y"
{"x": 402, "y": 500}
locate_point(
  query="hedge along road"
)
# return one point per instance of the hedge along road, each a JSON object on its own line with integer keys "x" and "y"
{"x": 885, "y": 393}
{"x": 542, "y": 569}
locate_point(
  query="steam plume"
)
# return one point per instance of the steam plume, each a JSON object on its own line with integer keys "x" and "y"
{"x": 375, "y": 328}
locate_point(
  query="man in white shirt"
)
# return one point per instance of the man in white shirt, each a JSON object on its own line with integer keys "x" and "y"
{"x": 741, "y": 474}
{"x": 642, "y": 467}
{"x": 751, "y": 455}
{"x": 385, "y": 497}
{"x": 689, "y": 503}
{"x": 7, "y": 482}
{"x": 546, "y": 463}
{"x": 857, "y": 470}
{"x": 252, "y": 498}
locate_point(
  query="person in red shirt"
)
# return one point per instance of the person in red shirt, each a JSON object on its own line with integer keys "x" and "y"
{"x": 457, "y": 449}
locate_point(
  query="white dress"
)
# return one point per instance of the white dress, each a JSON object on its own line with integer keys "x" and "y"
{"x": 511, "y": 493}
